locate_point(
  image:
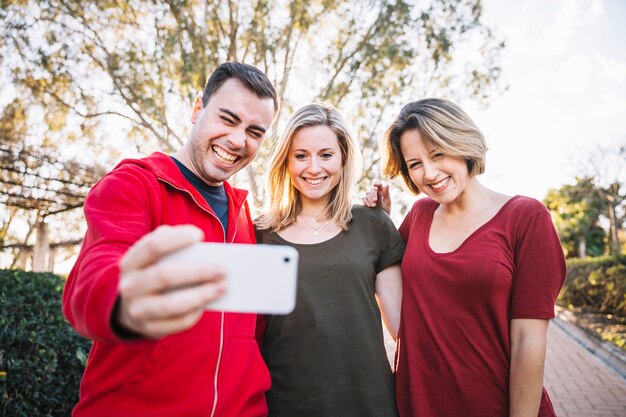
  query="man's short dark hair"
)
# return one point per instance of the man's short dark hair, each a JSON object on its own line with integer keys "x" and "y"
{"x": 252, "y": 77}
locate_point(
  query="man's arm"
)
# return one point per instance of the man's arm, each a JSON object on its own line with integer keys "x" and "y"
{"x": 528, "y": 351}
{"x": 123, "y": 240}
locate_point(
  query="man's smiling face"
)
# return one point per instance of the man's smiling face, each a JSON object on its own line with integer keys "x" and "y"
{"x": 227, "y": 133}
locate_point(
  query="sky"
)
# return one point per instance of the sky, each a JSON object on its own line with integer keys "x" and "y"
{"x": 565, "y": 67}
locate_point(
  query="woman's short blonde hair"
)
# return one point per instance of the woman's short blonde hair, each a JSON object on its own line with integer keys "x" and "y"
{"x": 284, "y": 203}
{"x": 442, "y": 123}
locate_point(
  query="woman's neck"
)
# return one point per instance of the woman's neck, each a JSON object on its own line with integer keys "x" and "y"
{"x": 475, "y": 196}
{"x": 312, "y": 208}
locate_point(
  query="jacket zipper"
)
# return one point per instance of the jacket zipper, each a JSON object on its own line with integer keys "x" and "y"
{"x": 219, "y": 354}
{"x": 217, "y": 366}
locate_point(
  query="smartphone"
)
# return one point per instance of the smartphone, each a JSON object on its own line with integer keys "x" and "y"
{"x": 259, "y": 278}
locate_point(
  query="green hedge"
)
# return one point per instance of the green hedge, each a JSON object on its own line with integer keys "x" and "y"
{"x": 596, "y": 283}
{"x": 41, "y": 357}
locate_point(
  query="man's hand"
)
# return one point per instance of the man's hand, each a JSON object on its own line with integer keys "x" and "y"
{"x": 378, "y": 196}
{"x": 158, "y": 299}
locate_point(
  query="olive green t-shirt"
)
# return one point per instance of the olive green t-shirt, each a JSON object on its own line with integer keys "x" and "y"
{"x": 327, "y": 358}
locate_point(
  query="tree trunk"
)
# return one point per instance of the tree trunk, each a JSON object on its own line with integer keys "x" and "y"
{"x": 613, "y": 233}
{"x": 21, "y": 259}
{"x": 582, "y": 247}
{"x": 51, "y": 259}
{"x": 42, "y": 248}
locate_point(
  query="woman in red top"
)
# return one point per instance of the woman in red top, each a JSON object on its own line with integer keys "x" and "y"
{"x": 481, "y": 274}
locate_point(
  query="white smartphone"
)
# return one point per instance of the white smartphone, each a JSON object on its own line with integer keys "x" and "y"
{"x": 259, "y": 278}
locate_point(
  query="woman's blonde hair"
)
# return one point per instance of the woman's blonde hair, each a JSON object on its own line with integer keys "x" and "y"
{"x": 284, "y": 203}
{"x": 442, "y": 123}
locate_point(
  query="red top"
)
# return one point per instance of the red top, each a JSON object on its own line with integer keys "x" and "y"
{"x": 213, "y": 369}
{"x": 454, "y": 348}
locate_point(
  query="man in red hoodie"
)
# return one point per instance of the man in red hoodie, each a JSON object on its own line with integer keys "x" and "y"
{"x": 157, "y": 351}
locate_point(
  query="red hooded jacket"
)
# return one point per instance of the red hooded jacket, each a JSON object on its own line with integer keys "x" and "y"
{"x": 213, "y": 369}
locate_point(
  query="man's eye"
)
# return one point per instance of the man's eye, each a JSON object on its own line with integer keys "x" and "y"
{"x": 255, "y": 134}
{"x": 228, "y": 120}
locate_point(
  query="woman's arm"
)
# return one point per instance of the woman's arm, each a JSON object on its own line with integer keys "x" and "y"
{"x": 389, "y": 296}
{"x": 528, "y": 352}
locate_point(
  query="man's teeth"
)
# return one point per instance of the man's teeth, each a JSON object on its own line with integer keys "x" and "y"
{"x": 440, "y": 183}
{"x": 224, "y": 156}
{"x": 314, "y": 181}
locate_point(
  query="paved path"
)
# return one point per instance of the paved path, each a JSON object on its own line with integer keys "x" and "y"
{"x": 579, "y": 384}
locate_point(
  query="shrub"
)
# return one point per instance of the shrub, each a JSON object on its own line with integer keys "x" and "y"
{"x": 598, "y": 284}
{"x": 42, "y": 356}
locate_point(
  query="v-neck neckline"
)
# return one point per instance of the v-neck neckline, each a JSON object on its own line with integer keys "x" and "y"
{"x": 426, "y": 240}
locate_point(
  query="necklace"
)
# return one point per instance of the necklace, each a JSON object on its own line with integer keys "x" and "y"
{"x": 316, "y": 230}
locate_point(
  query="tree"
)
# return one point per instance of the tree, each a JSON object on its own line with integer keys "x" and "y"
{"x": 614, "y": 195}
{"x": 37, "y": 183}
{"x": 576, "y": 210}
{"x": 606, "y": 166}
{"x": 149, "y": 58}
{"x": 94, "y": 71}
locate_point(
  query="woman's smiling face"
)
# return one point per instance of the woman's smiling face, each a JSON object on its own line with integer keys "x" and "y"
{"x": 315, "y": 163}
{"x": 441, "y": 177}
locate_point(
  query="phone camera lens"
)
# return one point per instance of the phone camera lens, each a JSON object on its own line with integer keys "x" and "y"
{"x": 286, "y": 259}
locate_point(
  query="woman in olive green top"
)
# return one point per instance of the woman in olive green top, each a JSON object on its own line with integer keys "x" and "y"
{"x": 327, "y": 358}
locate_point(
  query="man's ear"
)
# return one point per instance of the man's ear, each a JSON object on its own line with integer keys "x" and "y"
{"x": 197, "y": 108}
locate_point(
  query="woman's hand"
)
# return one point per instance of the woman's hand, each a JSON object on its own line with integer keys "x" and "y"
{"x": 378, "y": 196}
